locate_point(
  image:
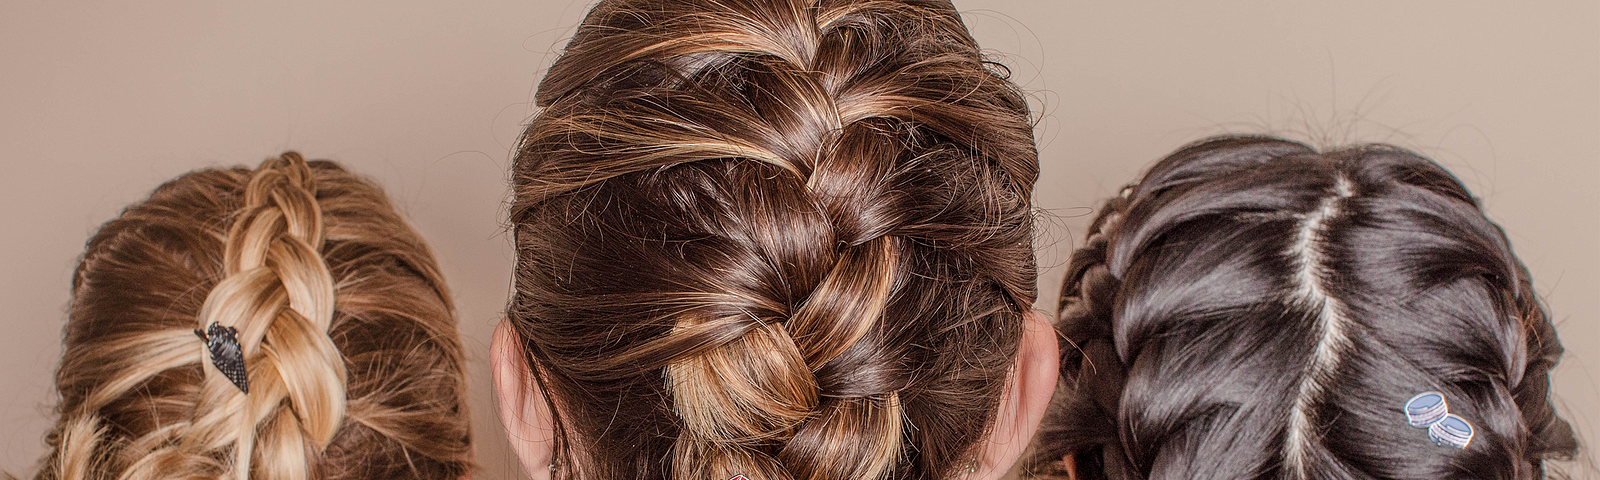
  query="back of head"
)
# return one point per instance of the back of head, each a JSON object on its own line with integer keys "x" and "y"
{"x": 787, "y": 239}
{"x": 1253, "y": 308}
{"x": 351, "y": 366}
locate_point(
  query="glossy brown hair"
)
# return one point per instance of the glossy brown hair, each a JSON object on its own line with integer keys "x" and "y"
{"x": 1255, "y": 308}
{"x": 779, "y": 238}
{"x": 355, "y": 367}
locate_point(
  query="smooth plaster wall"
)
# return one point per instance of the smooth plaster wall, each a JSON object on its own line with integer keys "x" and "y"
{"x": 102, "y": 101}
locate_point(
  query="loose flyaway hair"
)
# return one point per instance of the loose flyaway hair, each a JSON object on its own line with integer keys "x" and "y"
{"x": 1254, "y": 308}
{"x": 354, "y": 368}
{"x": 785, "y": 239}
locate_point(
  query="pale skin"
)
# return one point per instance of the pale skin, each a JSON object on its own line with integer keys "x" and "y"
{"x": 529, "y": 425}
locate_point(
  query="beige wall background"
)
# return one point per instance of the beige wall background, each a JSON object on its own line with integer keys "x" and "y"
{"x": 102, "y": 101}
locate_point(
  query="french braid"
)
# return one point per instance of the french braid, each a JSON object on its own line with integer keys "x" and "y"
{"x": 820, "y": 207}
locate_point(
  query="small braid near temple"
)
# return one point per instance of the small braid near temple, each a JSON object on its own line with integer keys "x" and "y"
{"x": 778, "y": 239}
{"x": 327, "y": 342}
{"x": 1255, "y": 308}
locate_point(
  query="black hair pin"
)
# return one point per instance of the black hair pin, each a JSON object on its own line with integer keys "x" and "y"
{"x": 226, "y": 354}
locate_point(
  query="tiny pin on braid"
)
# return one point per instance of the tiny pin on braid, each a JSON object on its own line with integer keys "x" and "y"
{"x": 226, "y": 354}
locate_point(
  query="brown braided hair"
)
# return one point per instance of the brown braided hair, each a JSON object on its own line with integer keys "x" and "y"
{"x": 786, "y": 239}
{"x": 346, "y": 328}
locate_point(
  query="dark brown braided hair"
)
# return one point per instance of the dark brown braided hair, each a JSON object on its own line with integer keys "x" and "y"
{"x": 1254, "y": 308}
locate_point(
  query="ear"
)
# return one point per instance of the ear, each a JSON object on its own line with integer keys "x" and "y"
{"x": 523, "y": 410}
{"x": 1022, "y": 406}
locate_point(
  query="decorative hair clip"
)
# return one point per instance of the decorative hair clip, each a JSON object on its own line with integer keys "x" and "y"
{"x": 1429, "y": 410}
{"x": 226, "y": 353}
{"x": 739, "y": 477}
{"x": 1452, "y": 430}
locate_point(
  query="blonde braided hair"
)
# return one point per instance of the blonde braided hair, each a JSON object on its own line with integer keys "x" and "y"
{"x": 276, "y": 289}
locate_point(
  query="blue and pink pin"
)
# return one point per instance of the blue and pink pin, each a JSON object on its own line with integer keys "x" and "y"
{"x": 1429, "y": 410}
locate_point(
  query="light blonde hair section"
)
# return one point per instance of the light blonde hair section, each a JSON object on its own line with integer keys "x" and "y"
{"x": 278, "y": 293}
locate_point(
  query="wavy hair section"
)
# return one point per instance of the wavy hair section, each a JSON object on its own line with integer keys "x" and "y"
{"x": 811, "y": 218}
{"x": 354, "y": 365}
{"x": 1254, "y": 308}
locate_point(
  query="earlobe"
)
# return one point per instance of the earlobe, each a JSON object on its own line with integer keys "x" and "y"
{"x": 1033, "y": 382}
{"x": 523, "y": 410}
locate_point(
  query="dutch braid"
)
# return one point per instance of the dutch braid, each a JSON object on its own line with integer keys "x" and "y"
{"x": 1256, "y": 308}
{"x": 278, "y": 294}
{"x": 142, "y": 397}
{"x": 1081, "y": 422}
